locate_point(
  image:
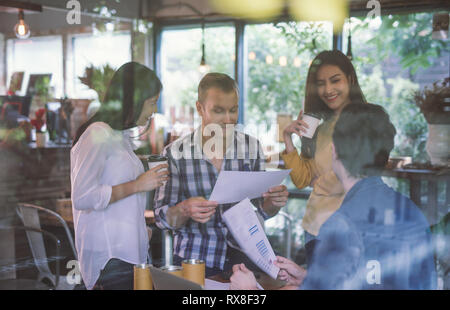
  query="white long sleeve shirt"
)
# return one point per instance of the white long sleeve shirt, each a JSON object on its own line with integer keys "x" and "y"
{"x": 101, "y": 159}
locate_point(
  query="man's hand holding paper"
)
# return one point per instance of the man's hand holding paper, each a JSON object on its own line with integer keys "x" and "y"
{"x": 199, "y": 209}
{"x": 235, "y": 186}
{"x": 274, "y": 199}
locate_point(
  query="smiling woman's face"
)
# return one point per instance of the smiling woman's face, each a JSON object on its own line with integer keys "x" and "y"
{"x": 333, "y": 87}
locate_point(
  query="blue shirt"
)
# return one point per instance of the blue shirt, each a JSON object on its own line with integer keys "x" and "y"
{"x": 377, "y": 239}
{"x": 192, "y": 175}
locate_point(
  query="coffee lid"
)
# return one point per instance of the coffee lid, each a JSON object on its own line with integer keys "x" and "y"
{"x": 193, "y": 261}
{"x": 154, "y": 158}
{"x": 143, "y": 266}
{"x": 313, "y": 114}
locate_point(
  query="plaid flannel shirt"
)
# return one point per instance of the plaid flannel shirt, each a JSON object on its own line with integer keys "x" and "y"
{"x": 191, "y": 175}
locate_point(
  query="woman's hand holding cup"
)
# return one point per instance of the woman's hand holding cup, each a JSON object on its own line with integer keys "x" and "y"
{"x": 298, "y": 127}
{"x": 152, "y": 178}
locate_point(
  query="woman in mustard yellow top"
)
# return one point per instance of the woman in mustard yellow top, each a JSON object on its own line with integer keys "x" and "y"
{"x": 331, "y": 84}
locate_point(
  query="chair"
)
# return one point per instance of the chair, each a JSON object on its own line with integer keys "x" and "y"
{"x": 30, "y": 284}
{"x": 29, "y": 214}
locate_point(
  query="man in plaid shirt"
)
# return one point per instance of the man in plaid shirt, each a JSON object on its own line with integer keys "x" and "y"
{"x": 195, "y": 161}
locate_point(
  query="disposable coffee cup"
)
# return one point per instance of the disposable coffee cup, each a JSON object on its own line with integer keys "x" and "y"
{"x": 313, "y": 122}
{"x": 175, "y": 270}
{"x": 156, "y": 160}
{"x": 194, "y": 270}
{"x": 142, "y": 277}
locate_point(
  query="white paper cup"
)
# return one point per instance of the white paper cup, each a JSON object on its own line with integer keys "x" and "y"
{"x": 312, "y": 122}
{"x": 156, "y": 160}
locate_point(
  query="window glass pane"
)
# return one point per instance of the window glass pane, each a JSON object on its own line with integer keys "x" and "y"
{"x": 278, "y": 57}
{"x": 38, "y": 55}
{"x": 180, "y": 60}
{"x": 98, "y": 50}
{"x": 394, "y": 56}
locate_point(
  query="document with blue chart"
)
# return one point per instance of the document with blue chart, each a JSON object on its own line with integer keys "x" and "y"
{"x": 246, "y": 229}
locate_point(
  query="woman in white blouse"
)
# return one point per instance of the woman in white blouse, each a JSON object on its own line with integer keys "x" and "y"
{"x": 109, "y": 184}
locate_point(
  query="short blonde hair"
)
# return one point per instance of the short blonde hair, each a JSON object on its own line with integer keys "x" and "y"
{"x": 217, "y": 80}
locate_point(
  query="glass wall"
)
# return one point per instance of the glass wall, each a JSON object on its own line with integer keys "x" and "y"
{"x": 180, "y": 60}
{"x": 113, "y": 49}
{"x": 277, "y": 57}
{"x": 394, "y": 56}
{"x": 22, "y": 56}
{"x": 277, "y": 60}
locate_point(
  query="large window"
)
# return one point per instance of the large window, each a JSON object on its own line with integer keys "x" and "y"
{"x": 113, "y": 49}
{"x": 394, "y": 56}
{"x": 23, "y": 56}
{"x": 277, "y": 58}
{"x": 180, "y": 60}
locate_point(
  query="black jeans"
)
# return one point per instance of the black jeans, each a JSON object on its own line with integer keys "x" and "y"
{"x": 117, "y": 275}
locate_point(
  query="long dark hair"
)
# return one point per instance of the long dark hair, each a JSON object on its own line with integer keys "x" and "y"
{"x": 129, "y": 87}
{"x": 313, "y": 103}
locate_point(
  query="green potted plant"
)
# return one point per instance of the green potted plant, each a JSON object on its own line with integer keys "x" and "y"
{"x": 434, "y": 103}
{"x": 42, "y": 89}
{"x": 97, "y": 78}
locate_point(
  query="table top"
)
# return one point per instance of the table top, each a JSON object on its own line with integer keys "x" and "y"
{"x": 263, "y": 279}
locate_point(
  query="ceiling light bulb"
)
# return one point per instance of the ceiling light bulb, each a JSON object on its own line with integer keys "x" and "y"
{"x": 21, "y": 29}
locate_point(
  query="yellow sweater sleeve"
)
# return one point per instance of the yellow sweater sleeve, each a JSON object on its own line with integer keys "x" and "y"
{"x": 303, "y": 170}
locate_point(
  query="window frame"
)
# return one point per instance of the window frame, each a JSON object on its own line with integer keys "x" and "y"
{"x": 239, "y": 69}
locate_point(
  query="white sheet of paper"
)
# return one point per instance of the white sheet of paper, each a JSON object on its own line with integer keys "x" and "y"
{"x": 233, "y": 186}
{"x": 212, "y": 285}
{"x": 246, "y": 229}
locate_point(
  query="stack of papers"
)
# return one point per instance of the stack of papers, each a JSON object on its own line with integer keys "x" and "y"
{"x": 245, "y": 227}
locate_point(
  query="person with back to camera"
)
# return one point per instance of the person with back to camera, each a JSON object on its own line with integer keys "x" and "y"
{"x": 109, "y": 184}
{"x": 378, "y": 238}
{"x": 331, "y": 85}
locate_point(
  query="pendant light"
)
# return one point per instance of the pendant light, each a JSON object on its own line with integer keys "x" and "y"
{"x": 21, "y": 29}
{"x": 203, "y": 68}
{"x": 349, "y": 41}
